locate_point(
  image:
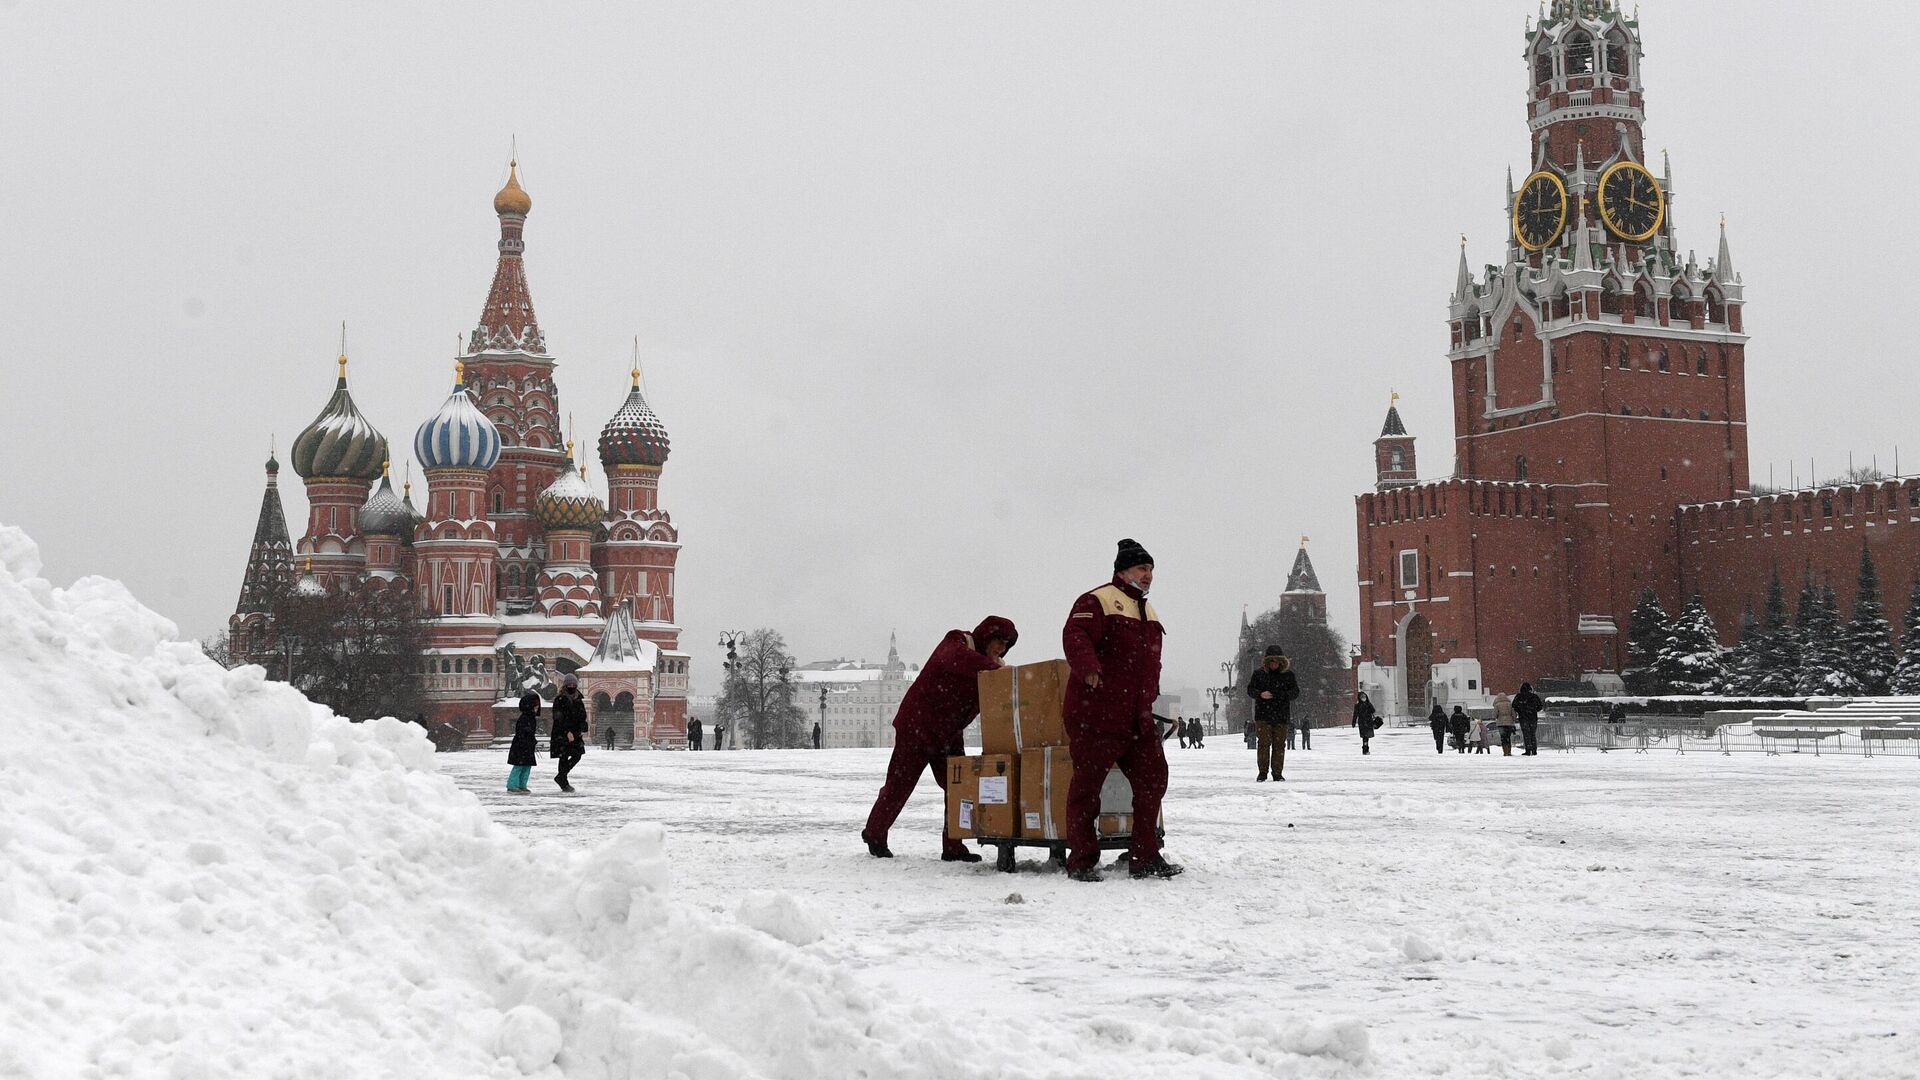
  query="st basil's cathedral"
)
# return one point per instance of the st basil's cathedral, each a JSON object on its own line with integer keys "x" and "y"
{"x": 522, "y": 573}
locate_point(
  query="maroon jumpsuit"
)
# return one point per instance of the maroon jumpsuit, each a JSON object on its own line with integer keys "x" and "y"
{"x": 1113, "y": 632}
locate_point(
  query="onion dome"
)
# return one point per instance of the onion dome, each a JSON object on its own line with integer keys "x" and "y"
{"x": 308, "y": 585}
{"x": 383, "y": 514}
{"x": 568, "y": 503}
{"x": 459, "y": 436}
{"x": 635, "y": 436}
{"x": 340, "y": 443}
{"x": 512, "y": 199}
{"x": 414, "y": 516}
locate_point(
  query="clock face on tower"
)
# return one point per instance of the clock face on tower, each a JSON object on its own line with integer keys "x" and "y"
{"x": 1540, "y": 211}
{"x": 1632, "y": 206}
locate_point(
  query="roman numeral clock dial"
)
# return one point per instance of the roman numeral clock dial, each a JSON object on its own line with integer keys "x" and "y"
{"x": 1632, "y": 206}
{"x": 1540, "y": 211}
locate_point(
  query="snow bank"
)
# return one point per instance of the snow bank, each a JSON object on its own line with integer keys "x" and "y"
{"x": 208, "y": 876}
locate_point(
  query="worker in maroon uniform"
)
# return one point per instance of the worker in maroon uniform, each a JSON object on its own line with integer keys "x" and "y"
{"x": 1113, "y": 647}
{"x": 942, "y": 701}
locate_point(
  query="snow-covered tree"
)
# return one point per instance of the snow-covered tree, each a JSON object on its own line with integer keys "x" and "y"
{"x": 1776, "y": 655}
{"x": 1906, "y": 674}
{"x": 1691, "y": 659}
{"x": 1869, "y": 637}
{"x": 1823, "y": 657}
{"x": 1646, "y": 636}
{"x": 1742, "y": 661}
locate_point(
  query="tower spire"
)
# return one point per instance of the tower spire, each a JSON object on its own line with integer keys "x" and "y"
{"x": 507, "y": 322}
{"x": 1463, "y": 279}
{"x": 1723, "y": 263}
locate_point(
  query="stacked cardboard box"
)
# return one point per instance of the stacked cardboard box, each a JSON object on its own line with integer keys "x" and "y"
{"x": 1024, "y": 738}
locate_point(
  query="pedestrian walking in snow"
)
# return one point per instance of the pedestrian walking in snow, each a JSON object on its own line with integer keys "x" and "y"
{"x": 1437, "y": 721}
{"x": 1363, "y": 719}
{"x": 719, "y": 734}
{"x": 1526, "y": 709}
{"x": 570, "y": 731}
{"x": 1459, "y": 725}
{"x": 1180, "y": 729}
{"x": 1250, "y": 733}
{"x": 1112, "y": 641}
{"x": 816, "y": 734}
{"x": 1504, "y": 721}
{"x": 1195, "y": 733}
{"x": 1482, "y": 735}
{"x": 927, "y": 727}
{"x": 1306, "y": 733}
{"x": 524, "y": 752}
{"x": 1273, "y": 688}
{"x": 693, "y": 734}
{"x": 608, "y": 732}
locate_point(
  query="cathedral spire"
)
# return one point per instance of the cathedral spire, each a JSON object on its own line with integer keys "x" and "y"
{"x": 1463, "y": 279}
{"x": 507, "y": 323}
{"x": 270, "y": 562}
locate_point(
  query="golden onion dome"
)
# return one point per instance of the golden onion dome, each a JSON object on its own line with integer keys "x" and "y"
{"x": 513, "y": 199}
{"x": 568, "y": 503}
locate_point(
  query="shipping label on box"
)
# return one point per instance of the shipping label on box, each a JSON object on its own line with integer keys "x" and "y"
{"x": 980, "y": 796}
{"x": 1022, "y": 708}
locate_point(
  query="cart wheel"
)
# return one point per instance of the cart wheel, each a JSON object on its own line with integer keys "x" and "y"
{"x": 1058, "y": 853}
{"x": 1004, "y": 861}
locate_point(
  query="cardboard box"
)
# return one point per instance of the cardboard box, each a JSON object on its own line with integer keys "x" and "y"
{"x": 982, "y": 795}
{"x": 1023, "y": 707}
{"x": 1045, "y": 774}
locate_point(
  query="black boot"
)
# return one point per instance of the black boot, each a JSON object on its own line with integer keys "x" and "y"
{"x": 875, "y": 849}
{"x": 1158, "y": 868}
{"x": 1087, "y": 873}
{"x": 963, "y": 855}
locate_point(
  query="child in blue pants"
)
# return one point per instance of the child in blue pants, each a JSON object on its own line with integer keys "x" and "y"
{"x": 522, "y": 755}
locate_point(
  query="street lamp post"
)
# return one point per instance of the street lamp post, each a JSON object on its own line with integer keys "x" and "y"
{"x": 823, "y": 716}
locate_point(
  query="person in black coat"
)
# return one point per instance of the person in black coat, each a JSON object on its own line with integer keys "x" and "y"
{"x": 1459, "y": 724}
{"x": 524, "y": 753}
{"x": 569, "y": 729}
{"x": 1363, "y": 718}
{"x": 1195, "y": 733}
{"x": 693, "y": 734}
{"x": 816, "y": 734}
{"x": 1273, "y": 689}
{"x": 1437, "y": 721}
{"x": 1526, "y": 709}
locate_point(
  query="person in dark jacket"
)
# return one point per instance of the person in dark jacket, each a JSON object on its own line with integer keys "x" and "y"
{"x": 1364, "y": 719}
{"x": 693, "y": 733}
{"x": 719, "y": 736}
{"x": 524, "y": 753}
{"x": 816, "y": 734}
{"x": 1459, "y": 724}
{"x": 570, "y": 729}
{"x": 927, "y": 727}
{"x": 1195, "y": 733}
{"x": 1437, "y": 721}
{"x": 1180, "y": 729}
{"x": 1273, "y": 688}
{"x": 1526, "y": 708}
{"x": 1112, "y": 640}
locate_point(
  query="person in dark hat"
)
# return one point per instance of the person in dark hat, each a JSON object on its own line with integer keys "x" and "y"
{"x": 569, "y": 734}
{"x": 524, "y": 752}
{"x": 1112, "y": 640}
{"x": 943, "y": 700}
{"x": 1273, "y": 688}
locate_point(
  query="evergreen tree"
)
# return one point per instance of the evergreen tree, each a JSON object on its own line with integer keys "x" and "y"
{"x": 1742, "y": 661}
{"x": 1646, "y": 636}
{"x": 1776, "y": 663}
{"x": 1906, "y": 675}
{"x": 1691, "y": 659}
{"x": 1869, "y": 637}
{"x": 1823, "y": 659}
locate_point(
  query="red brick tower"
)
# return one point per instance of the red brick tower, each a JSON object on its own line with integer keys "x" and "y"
{"x": 456, "y": 553}
{"x": 511, "y": 376}
{"x": 1394, "y": 464}
{"x": 1598, "y": 382}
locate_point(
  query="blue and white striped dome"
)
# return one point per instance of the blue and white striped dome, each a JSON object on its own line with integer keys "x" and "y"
{"x": 458, "y": 436}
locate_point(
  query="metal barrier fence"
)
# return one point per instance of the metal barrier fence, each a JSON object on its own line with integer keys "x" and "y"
{"x": 1673, "y": 734}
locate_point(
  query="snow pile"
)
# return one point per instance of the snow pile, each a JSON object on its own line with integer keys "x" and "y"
{"x": 208, "y": 876}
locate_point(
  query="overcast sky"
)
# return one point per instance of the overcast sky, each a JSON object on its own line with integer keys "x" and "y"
{"x": 937, "y": 301}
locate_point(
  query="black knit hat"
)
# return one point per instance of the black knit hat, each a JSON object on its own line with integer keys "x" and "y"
{"x": 1131, "y": 555}
{"x": 1275, "y": 650}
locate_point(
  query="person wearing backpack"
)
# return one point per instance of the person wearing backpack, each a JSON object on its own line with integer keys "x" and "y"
{"x": 1365, "y": 720}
